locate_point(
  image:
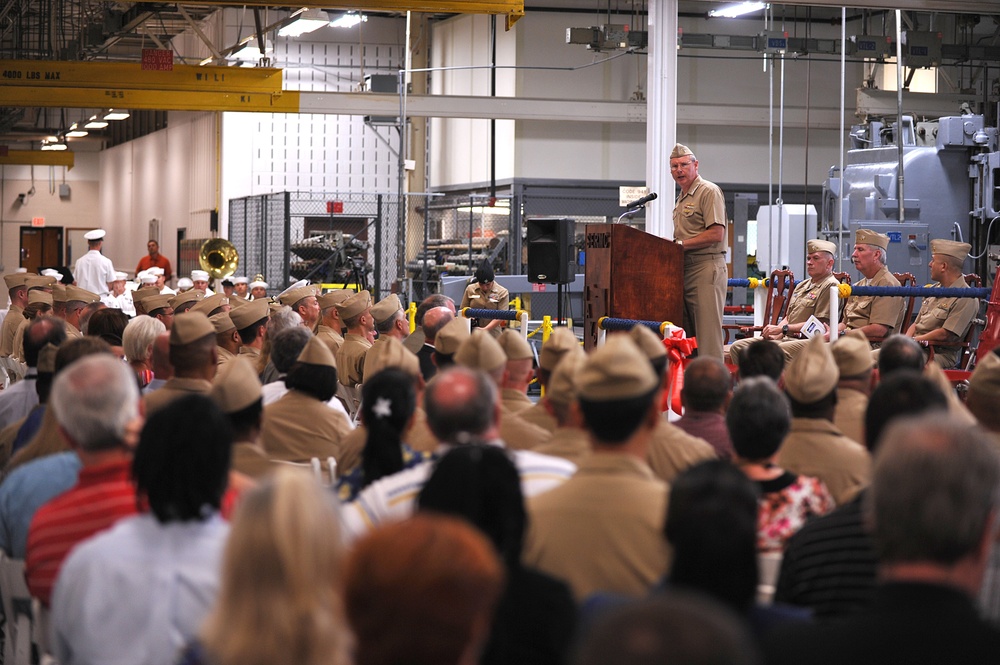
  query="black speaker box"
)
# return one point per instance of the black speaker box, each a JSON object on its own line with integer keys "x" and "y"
{"x": 551, "y": 250}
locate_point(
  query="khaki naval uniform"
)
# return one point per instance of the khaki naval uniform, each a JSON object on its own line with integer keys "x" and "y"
{"x": 885, "y": 310}
{"x": 515, "y": 400}
{"x": 174, "y": 388}
{"x": 18, "y": 348}
{"x": 224, "y": 357}
{"x": 602, "y": 530}
{"x": 10, "y": 324}
{"x": 72, "y": 332}
{"x": 299, "y": 427}
{"x": 250, "y": 459}
{"x": 953, "y": 314}
{"x": 849, "y": 416}
{"x": 569, "y": 443}
{"x": 519, "y": 434}
{"x": 809, "y": 298}
{"x": 330, "y": 337}
{"x": 815, "y": 447}
{"x": 671, "y": 450}
{"x": 497, "y": 299}
{"x": 251, "y": 353}
{"x": 538, "y": 415}
{"x": 351, "y": 360}
{"x": 705, "y": 273}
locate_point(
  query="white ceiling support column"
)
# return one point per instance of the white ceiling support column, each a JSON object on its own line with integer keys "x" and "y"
{"x": 661, "y": 116}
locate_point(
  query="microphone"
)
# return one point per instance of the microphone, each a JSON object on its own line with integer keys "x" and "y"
{"x": 643, "y": 201}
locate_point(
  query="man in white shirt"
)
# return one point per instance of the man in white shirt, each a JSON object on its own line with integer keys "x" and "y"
{"x": 120, "y": 297}
{"x": 94, "y": 271}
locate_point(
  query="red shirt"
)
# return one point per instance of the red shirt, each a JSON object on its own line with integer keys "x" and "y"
{"x": 147, "y": 262}
{"x": 102, "y": 495}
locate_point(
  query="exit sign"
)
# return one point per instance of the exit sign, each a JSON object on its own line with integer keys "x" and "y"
{"x": 38, "y": 221}
{"x": 335, "y": 207}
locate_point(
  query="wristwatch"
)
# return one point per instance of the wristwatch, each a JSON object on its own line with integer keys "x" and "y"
{"x": 784, "y": 329}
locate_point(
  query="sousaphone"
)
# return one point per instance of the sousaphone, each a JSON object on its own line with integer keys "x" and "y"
{"x": 219, "y": 258}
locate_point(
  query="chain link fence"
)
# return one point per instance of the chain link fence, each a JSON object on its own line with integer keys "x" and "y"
{"x": 341, "y": 239}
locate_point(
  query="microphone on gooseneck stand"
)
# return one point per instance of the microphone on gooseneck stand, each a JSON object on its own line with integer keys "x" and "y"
{"x": 643, "y": 201}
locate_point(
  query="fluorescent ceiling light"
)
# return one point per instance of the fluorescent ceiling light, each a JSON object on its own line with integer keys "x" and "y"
{"x": 96, "y": 123}
{"x": 251, "y": 53}
{"x": 348, "y": 20}
{"x": 307, "y": 21}
{"x": 737, "y": 9}
{"x": 53, "y": 145}
{"x": 75, "y": 132}
{"x": 116, "y": 115}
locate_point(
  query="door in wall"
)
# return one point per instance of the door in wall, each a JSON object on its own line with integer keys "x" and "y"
{"x": 41, "y": 247}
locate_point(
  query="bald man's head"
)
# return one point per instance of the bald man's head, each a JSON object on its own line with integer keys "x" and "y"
{"x": 435, "y": 319}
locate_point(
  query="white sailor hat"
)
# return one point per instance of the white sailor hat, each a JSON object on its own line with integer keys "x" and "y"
{"x": 199, "y": 276}
{"x": 184, "y": 283}
{"x": 146, "y": 277}
{"x": 49, "y": 272}
{"x": 241, "y": 280}
{"x": 120, "y": 276}
{"x": 96, "y": 234}
{"x": 258, "y": 283}
{"x": 155, "y": 270}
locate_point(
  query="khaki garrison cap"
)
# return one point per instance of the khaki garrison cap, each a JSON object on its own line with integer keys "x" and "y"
{"x": 16, "y": 279}
{"x": 182, "y": 298}
{"x": 618, "y": 370}
{"x": 47, "y": 358}
{"x": 221, "y": 322}
{"x": 190, "y": 327}
{"x": 383, "y": 310}
{"x": 481, "y": 351}
{"x": 562, "y": 388}
{"x": 334, "y": 297}
{"x": 514, "y": 346}
{"x": 391, "y": 353}
{"x": 59, "y": 292}
{"x": 560, "y": 341}
{"x": 355, "y": 305}
{"x": 292, "y": 296}
{"x": 869, "y": 237}
{"x": 957, "y": 250}
{"x": 316, "y": 352}
{"x": 812, "y": 374}
{"x": 83, "y": 295}
{"x": 155, "y": 302}
{"x": 39, "y": 282}
{"x": 249, "y": 313}
{"x": 206, "y": 305}
{"x": 648, "y": 342}
{"x": 816, "y": 245}
{"x": 236, "y": 386}
{"x": 853, "y": 354}
{"x": 39, "y": 296}
{"x": 985, "y": 379}
{"x": 451, "y": 336}
{"x": 680, "y": 150}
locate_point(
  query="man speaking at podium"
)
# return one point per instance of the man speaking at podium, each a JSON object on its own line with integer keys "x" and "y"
{"x": 700, "y": 227}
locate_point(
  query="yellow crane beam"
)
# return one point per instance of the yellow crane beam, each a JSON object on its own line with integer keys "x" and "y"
{"x": 162, "y": 100}
{"x": 39, "y": 157}
{"x": 130, "y": 75}
{"x": 513, "y": 9}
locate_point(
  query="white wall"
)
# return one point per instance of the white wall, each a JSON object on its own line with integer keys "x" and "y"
{"x": 170, "y": 175}
{"x": 80, "y": 210}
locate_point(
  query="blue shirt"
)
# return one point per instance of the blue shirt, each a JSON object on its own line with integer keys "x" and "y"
{"x": 26, "y": 489}
{"x": 137, "y": 593}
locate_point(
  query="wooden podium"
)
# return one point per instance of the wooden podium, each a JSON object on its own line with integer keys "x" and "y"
{"x": 630, "y": 274}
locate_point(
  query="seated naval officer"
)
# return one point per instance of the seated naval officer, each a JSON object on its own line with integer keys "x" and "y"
{"x": 945, "y": 319}
{"x": 875, "y": 316}
{"x": 811, "y": 297}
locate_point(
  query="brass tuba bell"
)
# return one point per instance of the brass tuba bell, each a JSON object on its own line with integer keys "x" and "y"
{"x": 218, "y": 257}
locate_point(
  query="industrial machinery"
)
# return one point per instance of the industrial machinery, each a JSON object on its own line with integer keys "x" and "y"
{"x": 949, "y": 172}
{"x": 334, "y": 257}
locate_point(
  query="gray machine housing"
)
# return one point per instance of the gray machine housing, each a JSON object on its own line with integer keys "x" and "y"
{"x": 949, "y": 170}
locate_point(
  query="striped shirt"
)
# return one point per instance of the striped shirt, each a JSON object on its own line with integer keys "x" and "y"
{"x": 830, "y": 564}
{"x": 103, "y": 494}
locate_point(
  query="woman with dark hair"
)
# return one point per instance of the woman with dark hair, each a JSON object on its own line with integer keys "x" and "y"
{"x": 139, "y": 592}
{"x": 388, "y": 402}
{"x": 758, "y": 419}
{"x": 109, "y": 324}
{"x": 536, "y": 616}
